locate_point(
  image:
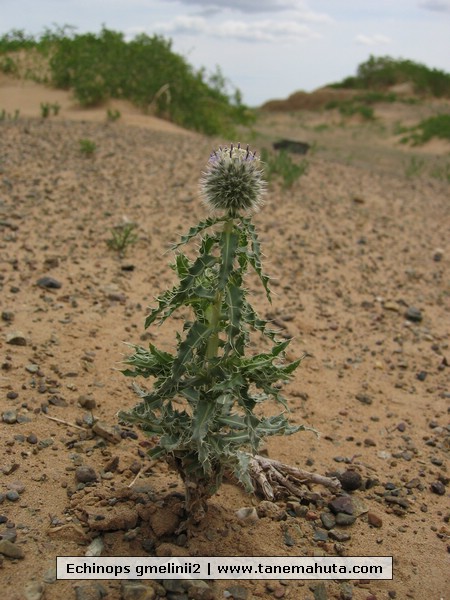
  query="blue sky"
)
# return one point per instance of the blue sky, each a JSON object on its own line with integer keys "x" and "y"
{"x": 267, "y": 48}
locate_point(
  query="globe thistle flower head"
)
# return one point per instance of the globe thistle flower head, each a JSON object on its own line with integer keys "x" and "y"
{"x": 233, "y": 181}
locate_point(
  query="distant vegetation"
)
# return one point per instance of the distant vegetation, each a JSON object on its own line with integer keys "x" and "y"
{"x": 145, "y": 71}
{"x": 437, "y": 126}
{"x": 379, "y": 73}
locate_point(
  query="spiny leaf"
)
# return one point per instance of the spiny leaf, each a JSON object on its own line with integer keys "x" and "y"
{"x": 203, "y": 415}
{"x": 194, "y": 231}
{"x": 254, "y": 256}
{"x": 198, "y": 334}
{"x": 228, "y": 244}
{"x": 234, "y": 299}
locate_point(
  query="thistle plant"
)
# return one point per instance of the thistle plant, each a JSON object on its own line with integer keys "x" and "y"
{"x": 204, "y": 407}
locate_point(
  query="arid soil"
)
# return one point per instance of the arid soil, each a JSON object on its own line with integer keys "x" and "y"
{"x": 359, "y": 253}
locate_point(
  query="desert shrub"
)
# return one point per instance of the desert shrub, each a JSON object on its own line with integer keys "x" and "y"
{"x": 379, "y": 73}
{"x": 97, "y": 67}
{"x": 433, "y": 127}
{"x": 281, "y": 165}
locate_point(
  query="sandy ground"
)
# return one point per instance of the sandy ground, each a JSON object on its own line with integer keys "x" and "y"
{"x": 359, "y": 252}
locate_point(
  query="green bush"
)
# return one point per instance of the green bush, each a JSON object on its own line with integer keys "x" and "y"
{"x": 437, "y": 126}
{"x": 282, "y": 165}
{"x": 379, "y": 73}
{"x": 145, "y": 70}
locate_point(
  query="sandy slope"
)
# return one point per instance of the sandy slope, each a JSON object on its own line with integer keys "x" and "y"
{"x": 351, "y": 247}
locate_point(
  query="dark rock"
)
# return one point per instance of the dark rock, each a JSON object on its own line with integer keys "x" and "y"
{"x": 85, "y": 474}
{"x": 291, "y": 146}
{"x": 341, "y": 504}
{"x": 421, "y": 375}
{"x": 339, "y": 536}
{"x": 49, "y": 283}
{"x": 328, "y": 520}
{"x": 350, "y": 480}
{"x": 413, "y": 314}
{"x": 87, "y": 402}
{"x": 364, "y": 398}
{"x": 16, "y": 338}
{"x": 135, "y": 590}
{"x": 344, "y": 519}
{"x": 437, "y": 487}
{"x": 238, "y": 592}
{"x": 9, "y": 417}
{"x": 12, "y": 395}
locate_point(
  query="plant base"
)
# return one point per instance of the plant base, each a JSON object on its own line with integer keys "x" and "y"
{"x": 274, "y": 479}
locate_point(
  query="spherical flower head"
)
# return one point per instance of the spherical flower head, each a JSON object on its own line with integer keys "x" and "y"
{"x": 233, "y": 181}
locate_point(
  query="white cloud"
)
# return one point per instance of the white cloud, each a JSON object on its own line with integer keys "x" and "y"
{"x": 258, "y": 6}
{"x": 435, "y": 5}
{"x": 377, "y": 39}
{"x": 253, "y": 31}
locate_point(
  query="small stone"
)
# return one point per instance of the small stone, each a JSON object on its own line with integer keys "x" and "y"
{"x": 320, "y": 592}
{"x": 85, "y": 474}
{"x": 438, "y": 255}
{"x": 9, "y": 417}
{"x": 16, "y": 338}
{"x": 49, "y": 283}
{"x": 17, "y": 486}
{"x": 320, "y": 535}
{"x": 341, "y": 504}
{"x": 90, "y": 591}
{"x": 364, "y": 398}
{"x": 34, "y": 591}
{"x": 238, "y": 592}
{"x": 11, "y": 550}
{"x": 421, "y": 375}
{"x": 32, "y": 438}
{"x": 57, "y": 401}
{"x": 12, "y": 496}
{"x": 247, "y": 515}
{"x": 344, "y": 519}
{"x": 437, "y": 487}
{"x": 393, "y": 306}
{"x": 374, "y": 519}
{"x": 328, "y": 520}
{"x": 49, "y": 575}
{"x": 107, "y": 432}
{"x": 271, "y": 510}
{"x": 9, "y": 534}
{"x": 346, "y": 592}
{"x": 339, "y": 536}
{"x": 95, "y": 548}
{"x": 135, "y": 590}
{"x": 87, "y": 402}
{"x": 413, "y": 314}
{"x": 12, "y": 395}
{"x": 7, "y": 316}
{"x": 350, "y": 480}
{"x": 199, "y": 590}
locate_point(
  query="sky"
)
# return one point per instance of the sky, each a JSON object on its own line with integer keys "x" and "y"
{"x": 266, "y": 48}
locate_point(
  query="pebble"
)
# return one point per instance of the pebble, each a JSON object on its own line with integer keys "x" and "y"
{"x": 85, "y": 474}
{"x": 10, "y": 549}
{"x": 247, "y": 515}
{"x": 16, "y": 338}
{"x": 90, "y": 591}
{"x": 107, "y": 432}
{"x": 341, "y": 504}
{"x": 12, "y": 495}
{"x": 32, "y": 438}
{"x": 135, "y": 590}
{"x": 237, "y": 592}
{"x": 350, "y": 480}
{"x": 33, "y": 591}
{"x": 9, "y": 533}
{"x": 87, "y": 402}
{"x": 12, "y": 395}
{"x": 345, "y": 519}
{"x": 413, "y": 314}
{"x": 346, "y": 592}
{"x": 437, "y": 487}
{"x": 320, "y": 592}
{"x": 364, "y": 398}
{"x": 328, "y": 520}
{"x": 374, "y": 519}
{"x": 9, "y": 417}
{"x": 339, "y": 536}
{"x": 49, "y": 283}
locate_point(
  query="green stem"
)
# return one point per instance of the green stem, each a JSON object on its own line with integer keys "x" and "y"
{"x": 214, "y": 321}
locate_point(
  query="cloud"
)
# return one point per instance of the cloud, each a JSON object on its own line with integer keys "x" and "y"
{"x": 254, "y": 31}
{"x": 435, "y": 5}
{"x": 259, "y": 6}
{"x": 377, "y": 39}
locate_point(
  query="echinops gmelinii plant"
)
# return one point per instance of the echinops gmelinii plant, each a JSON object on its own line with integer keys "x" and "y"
{"x": 204, "y": 405}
